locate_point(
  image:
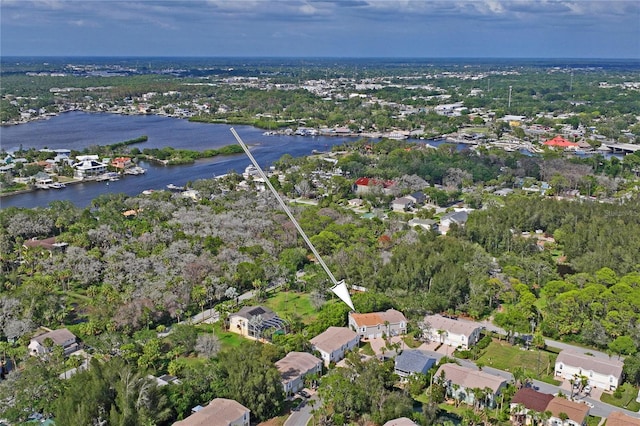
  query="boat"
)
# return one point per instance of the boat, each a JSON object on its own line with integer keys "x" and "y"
{"x": 147, "y": 192}
{"x": 175, "y": 187}
{"x": 57, "y": 185}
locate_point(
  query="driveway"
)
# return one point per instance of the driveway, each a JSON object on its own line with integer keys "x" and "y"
{"x": 303, "y": 415}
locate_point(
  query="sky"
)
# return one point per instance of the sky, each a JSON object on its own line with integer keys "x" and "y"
{"x": 322, "y": 28}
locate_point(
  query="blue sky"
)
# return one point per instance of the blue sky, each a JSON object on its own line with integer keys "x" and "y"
{"x": 322, "y": 28}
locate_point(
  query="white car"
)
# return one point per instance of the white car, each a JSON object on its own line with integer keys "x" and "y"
{"x": 587, "y": 389}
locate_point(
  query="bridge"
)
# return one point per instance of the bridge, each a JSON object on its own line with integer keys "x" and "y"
{"x": 620, "y": 147}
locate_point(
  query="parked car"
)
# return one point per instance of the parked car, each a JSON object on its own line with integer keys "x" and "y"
{"x": 587, "y": 389}
{"x": 304, "y": 394}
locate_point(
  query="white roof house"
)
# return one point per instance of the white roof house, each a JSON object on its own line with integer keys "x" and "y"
{"x": 294, "y": 367}
{"x": 61, "y": 337}
{"x": 451, "y": 331}
{"x": 603, "y": 373}
{"x": 334, "y": 343}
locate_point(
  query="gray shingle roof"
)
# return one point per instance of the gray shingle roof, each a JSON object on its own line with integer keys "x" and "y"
{"x": 414, "y": 361}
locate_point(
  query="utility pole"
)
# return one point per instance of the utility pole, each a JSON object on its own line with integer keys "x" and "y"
{"x": 509, "y": 107}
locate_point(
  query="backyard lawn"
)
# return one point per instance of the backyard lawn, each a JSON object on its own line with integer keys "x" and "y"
{"x": 503, "y": 356}
{"x": 290, "y": 303}
{"x": 228, "y": 339}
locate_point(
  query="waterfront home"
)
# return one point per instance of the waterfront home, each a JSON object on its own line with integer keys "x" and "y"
{"x": 603, "y": 373}
{"x": 576, "y": 413}
{"x": 219, "y": 412}
{"x": 44, "y": 343}
{"x": 334, "y": 343}
{"x": 256, "y": 322}
{"x": 462, "y": 383}
{"x": 411, "y": 362}
{"x": 121, "y": 163}
{"x": 376, "y": 324}
{"x": 88, "y": 166}
{"x": 294, "y": 367}
{"x": 451, "y": 331}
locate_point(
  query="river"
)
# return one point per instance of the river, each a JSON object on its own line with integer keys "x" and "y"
{"x": 78, "y": 130}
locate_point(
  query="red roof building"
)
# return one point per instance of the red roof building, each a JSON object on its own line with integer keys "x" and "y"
{"x": 560, "y": 142}
{"x": 364, "y": 185}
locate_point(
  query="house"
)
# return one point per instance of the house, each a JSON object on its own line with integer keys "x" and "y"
{"x": 402, "y": 421}
{"x": 413, "y": 362}
{"x": 618, "y": 418}
{"x": 401, "y": 204}
{"x": 376, "y": 324}
{"x": 576, "y": 413}
{"x": 165, "y": 379}
{"x": 39, "y": 345}
{"x": 355, "y": 202}
{"x": 417, "y": 197}
{"x": 525, "y": 401}
{"x": 365, "y": 185}
{"x": 452, "y": 331}
{"x": 458, "y": 217}
{"x": 294, "y": 367}
{"x": 47, "y": 244}
{"x": 460, "y": 382}
{"x": 219, "y": 412}
{"x": 334, "y": 343}
{"x": 560, "y": 142}
{"x": 88, "y": 166}
{"x": 256, "y": 322}
{"x": 428, "y": 224}
{"x": 603, "y": 373}
{"x": 121, "y": 162}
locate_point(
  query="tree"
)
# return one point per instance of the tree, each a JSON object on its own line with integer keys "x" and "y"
{"x": 623, "y": 345}
{"x": 252, "y": 380}
{"x": 207, "y": 345}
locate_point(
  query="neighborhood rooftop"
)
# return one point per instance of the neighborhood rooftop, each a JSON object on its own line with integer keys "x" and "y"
{"x": 457, "y": 326}
{"x": 607, "y": 366}
{"x": 376, "y": 318}
{"x": 532, "y": 400}
{"x": 576, "y": 412}
{"x": 59, "y": 337}
{"x": 296, "y": 363}
{"x": 333, "y": 338}
{"x": 470, "y": 378}
{"x": 218, "y": 412}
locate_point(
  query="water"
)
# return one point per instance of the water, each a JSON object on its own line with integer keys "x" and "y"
{"x": 77, "y": 130}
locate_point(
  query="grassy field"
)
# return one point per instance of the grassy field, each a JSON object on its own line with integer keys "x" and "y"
{"x": 290, "y": 303}
{"x": 228, "y": 339}
{"x": 628, "y": 400}
{"x": 503, "y": 356}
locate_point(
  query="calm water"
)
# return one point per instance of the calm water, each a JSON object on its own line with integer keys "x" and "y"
{"x": 77, "y": 130}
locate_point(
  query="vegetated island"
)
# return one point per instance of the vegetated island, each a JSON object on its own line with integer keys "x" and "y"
{"x": 170, "y": 156}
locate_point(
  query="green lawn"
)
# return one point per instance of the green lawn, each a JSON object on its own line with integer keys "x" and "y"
{"x": 290, "y": 303}
{"x": 503, "y": 356}
{"x": 628, "y": 399}
{"x": 228, "y": 339}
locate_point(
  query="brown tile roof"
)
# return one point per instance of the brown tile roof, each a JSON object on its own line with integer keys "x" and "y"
{"x": 378, "y": 318}
{"x": 576, "y": 412}
{"x": 532, "y": 400}
{"x": 295, "y": 364}
{"x": 333, "y": 338}
{"x": 58, "y": 336}
{"x": 606, "y": 366}
{"x": 618, "y": 418}
{"x": 219, "y": 412}
{"x": 470, "y": 378}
